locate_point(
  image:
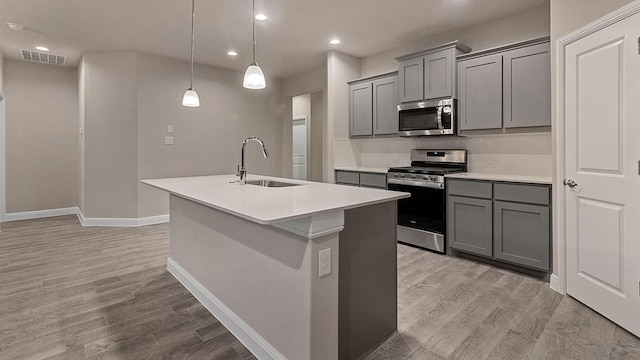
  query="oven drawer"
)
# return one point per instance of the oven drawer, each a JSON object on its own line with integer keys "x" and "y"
{"x": 478, "y": 189}
{"x": 522, "y": 193}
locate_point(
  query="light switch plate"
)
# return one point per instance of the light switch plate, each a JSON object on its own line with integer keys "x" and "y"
{"x": 169, "y": 128}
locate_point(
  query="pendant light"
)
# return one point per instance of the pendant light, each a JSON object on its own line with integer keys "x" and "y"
{"x": 190, "y": 97}
{"x": 254, "y": 77}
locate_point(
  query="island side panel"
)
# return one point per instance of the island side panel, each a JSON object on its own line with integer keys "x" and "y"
{"x": 264, "y": 275}
{"x": 368, "y": 305}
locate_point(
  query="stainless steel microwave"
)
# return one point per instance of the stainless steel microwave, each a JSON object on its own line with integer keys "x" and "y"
{"x": 433, "y": 117}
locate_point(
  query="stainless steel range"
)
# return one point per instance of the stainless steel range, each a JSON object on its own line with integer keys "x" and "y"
{"x": 422, "y": 217}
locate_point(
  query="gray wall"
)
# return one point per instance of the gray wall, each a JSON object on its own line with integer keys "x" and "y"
{"x": 42, "y": 138}
{"x": 1, "y": 72}
{"x": 522, "y": 26}
{"x": 317, "y": 122}
{"x": 207, "y": 139}
{"x": 41, "y": 143}
{"x": 110, "y": 135}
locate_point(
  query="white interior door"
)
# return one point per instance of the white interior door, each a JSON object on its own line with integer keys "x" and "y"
{"x": 602, "y": 113}
{"x": 300, "y": 142}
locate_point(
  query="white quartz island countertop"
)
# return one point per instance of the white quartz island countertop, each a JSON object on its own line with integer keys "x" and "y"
{"x": 502, "y": 177}
{"x": 270, "y": 206}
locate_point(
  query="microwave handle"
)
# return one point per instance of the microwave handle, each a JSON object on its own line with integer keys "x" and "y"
{"x": 440, "y": 117}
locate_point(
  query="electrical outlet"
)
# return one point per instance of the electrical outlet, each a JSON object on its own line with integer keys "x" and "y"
{"x": 168, "y": 140}
{"x": 324, "y": 262}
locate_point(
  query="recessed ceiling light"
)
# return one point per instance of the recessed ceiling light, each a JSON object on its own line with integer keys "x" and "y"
{"x": 14, "y": 26}
{"x": 334, "y": 42}
{"x": 261, "y": 17}
{"x": 232, "y": 53}
{"x": 42, "y": 48}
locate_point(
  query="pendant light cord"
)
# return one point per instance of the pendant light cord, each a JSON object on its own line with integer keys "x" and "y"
{"x": 254, "y": 32}
{"x": 193, "y": 16}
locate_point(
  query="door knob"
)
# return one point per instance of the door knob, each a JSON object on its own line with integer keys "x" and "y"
{"x": 570, "y": 183}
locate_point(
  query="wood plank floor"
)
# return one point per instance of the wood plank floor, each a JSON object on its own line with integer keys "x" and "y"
{"x": 68, "y": 292}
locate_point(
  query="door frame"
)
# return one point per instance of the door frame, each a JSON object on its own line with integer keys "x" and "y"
{"x": 307, "y": 125}
{"x": 3, "y": 158}
{"x": 559, "y": 278}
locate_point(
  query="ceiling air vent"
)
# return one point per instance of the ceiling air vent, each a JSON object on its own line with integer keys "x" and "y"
{"x": 42, "y": 57}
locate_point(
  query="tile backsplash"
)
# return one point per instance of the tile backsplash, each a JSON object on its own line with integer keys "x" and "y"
{"x": 521, "y": 154}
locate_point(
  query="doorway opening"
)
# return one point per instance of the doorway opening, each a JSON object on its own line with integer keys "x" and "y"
{"x": 306, "y": 136}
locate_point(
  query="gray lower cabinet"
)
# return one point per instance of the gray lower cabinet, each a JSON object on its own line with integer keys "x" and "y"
{"x": 362, "y": 179}
{"x": 508, "y": 222}
{"x": 521, "y": 234}
{"x": 470, "y": 228}
{"x": 373, "y": 105}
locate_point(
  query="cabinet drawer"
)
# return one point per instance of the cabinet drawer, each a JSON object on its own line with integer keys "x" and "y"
{"x": 373, "y": 180}
{"x": 477, "y": 189}
{"x": 347, "y": 177}
{"x": 522, "y": 193}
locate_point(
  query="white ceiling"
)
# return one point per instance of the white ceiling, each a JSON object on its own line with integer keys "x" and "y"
{"x": 293, "y": 40}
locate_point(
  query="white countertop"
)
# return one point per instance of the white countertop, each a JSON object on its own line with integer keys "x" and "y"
{"x": 503, "y": 177}
{"x": 269, "y": 206}
{"x": 362, "y": 169}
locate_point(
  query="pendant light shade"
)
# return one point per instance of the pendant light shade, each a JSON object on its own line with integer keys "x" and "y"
{"x": 190, "y": 97}
{"x": 254, "y": 77}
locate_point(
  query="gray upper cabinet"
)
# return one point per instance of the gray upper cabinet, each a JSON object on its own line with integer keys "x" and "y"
{"x": 373, "y": 105}
{"x": 385, "y": 105}
{"x": 527, "y": 87}
{"x": 506, "y": 87}
{"x": 411, "y": 79}
{"x": 480, "y": 90}
{"x": 429, "y": 74}
{"x": 361, "y": 109}
{"x": 438, "y": 74}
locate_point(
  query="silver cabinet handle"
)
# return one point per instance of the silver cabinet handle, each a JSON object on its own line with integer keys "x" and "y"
{"x": 570, "y": 183}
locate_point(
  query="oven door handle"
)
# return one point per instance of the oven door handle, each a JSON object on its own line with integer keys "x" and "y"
{"x": 416, "y": 183}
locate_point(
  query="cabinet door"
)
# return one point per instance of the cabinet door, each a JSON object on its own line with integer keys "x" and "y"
{"x": 360, "y": 109}
{"x": 410, "y": 80}
{"x": 522, "y": 234}
{"x": 469, "y": 225}
{"x": 438, "y": 74}
{"x": 527, "y": 87}
{"x": 480, "y": 93}
{"x": 385, "y": 105}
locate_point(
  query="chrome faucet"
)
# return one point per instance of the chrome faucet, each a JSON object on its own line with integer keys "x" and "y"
{"x": 242, "y": 171}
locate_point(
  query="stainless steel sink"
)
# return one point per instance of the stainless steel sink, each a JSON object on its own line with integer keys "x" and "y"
{"x": 270, "y": 183}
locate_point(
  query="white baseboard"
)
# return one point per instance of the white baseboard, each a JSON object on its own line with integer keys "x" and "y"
{"x": 119, "y": 222}
{"x": 122, "y": 222}
{"x": 241, "y": 330}
{"x": 553, "y": 283}
{"x": 40, "y": 214}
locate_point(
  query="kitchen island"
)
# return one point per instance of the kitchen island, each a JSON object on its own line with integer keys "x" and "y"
{"x": 296, "y": 272}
